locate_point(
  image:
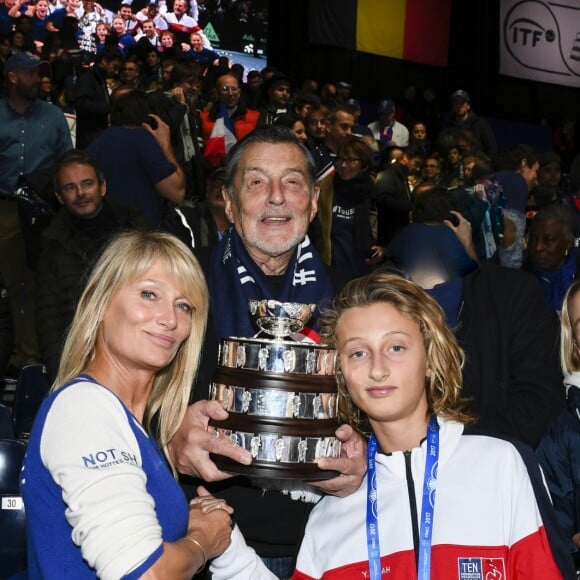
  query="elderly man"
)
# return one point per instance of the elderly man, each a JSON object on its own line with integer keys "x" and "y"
{"x": 270, "y": 197}
{"x": 243, "y": 120}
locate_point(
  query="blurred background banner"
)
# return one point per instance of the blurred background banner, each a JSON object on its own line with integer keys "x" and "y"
{"x": 540, "y": 41}
{"x": 413, "y": 30}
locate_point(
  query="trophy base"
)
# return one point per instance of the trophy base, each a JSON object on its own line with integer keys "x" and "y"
{"x": 305, "y": 473}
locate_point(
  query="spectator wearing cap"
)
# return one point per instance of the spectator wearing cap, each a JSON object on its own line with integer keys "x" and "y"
{"x": 463, "y": 118}
{"x": 387, "y": 131}
{"x": 278, "y": 90}
{"x": 359, "y": 130}
{"x": 342, "y": 92}
{"x": 33, "y": 134}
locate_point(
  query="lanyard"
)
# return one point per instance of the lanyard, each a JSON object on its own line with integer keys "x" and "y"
{"x": 427, "y": 505}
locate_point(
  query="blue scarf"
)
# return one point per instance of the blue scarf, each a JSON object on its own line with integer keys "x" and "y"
{"x": 555, "y": 283}
{"x": 235, "y": 278}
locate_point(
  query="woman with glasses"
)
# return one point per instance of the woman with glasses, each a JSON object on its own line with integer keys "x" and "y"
{"x": 345, "y": 237}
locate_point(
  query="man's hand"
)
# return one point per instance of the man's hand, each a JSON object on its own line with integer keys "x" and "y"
{"x": 192, "y": 444}
{"x": 352, "y": 464}
{"x": 463, "y": 232}
{"x": 160, "y": 132}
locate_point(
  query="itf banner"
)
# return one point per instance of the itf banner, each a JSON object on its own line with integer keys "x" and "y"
{"x": 540, "y": 40}
{"x": 415, "y": 30}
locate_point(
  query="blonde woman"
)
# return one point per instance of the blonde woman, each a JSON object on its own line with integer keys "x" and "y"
{"x": 100, "y": 499}
{"x": 559, "y": 450}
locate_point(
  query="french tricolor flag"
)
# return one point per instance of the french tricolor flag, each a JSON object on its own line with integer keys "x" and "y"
{"x": 221, "y": 140}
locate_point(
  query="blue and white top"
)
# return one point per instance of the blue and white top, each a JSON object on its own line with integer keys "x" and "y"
{"x": 99, "y": 496}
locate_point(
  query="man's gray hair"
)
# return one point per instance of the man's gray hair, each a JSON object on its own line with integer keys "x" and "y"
{"x": 274, "y": 134}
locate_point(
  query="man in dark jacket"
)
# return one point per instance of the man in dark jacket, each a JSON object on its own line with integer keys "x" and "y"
{"x": 510, "y": 336}
{"x": 92, "y": 96}
{"x": 464, "y": 119}
{"x": 72, "y": 241}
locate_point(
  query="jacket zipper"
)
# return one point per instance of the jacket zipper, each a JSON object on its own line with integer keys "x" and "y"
{"x": 412, "y": 505}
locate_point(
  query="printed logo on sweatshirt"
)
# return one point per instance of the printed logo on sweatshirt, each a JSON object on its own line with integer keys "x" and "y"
{"x": 343, "y": 213}
{"x": 108, "y": 458}
{"x": 481, "y": 569}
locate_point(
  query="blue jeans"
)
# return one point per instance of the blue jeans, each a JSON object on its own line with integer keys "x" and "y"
{"x": 282, "y": 567}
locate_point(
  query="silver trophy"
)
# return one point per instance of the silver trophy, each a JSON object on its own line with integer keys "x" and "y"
{"x": 280, "y": 394}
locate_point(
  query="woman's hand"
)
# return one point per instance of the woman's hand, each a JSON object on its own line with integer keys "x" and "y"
{"x": 210, "y": 523}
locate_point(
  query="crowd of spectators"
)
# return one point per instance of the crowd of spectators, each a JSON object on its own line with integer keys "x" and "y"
{"x": 153, "y": 108}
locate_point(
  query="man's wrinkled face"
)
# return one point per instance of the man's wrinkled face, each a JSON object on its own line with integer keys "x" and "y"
{"x": 179, "y": 7}
{"x": 273, "y": 201}
{"x": 228, "y": 89}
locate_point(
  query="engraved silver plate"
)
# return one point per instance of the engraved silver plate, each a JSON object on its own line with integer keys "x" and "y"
{"x": 281, "y": 357}
{"x": 278, "y": 448}
{"x": 275, "y": 402}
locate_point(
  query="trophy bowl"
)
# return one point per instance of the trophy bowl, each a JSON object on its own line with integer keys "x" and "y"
{"x": 280, "y": 319}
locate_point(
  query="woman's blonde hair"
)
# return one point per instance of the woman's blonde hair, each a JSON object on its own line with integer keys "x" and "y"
{"x": 445, "y": 357}
{"x": 569, "y": 357}
{"x": 127, "y": 258}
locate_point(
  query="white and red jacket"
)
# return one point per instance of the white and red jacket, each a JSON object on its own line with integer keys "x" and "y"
{"x": 488, "y": 523}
